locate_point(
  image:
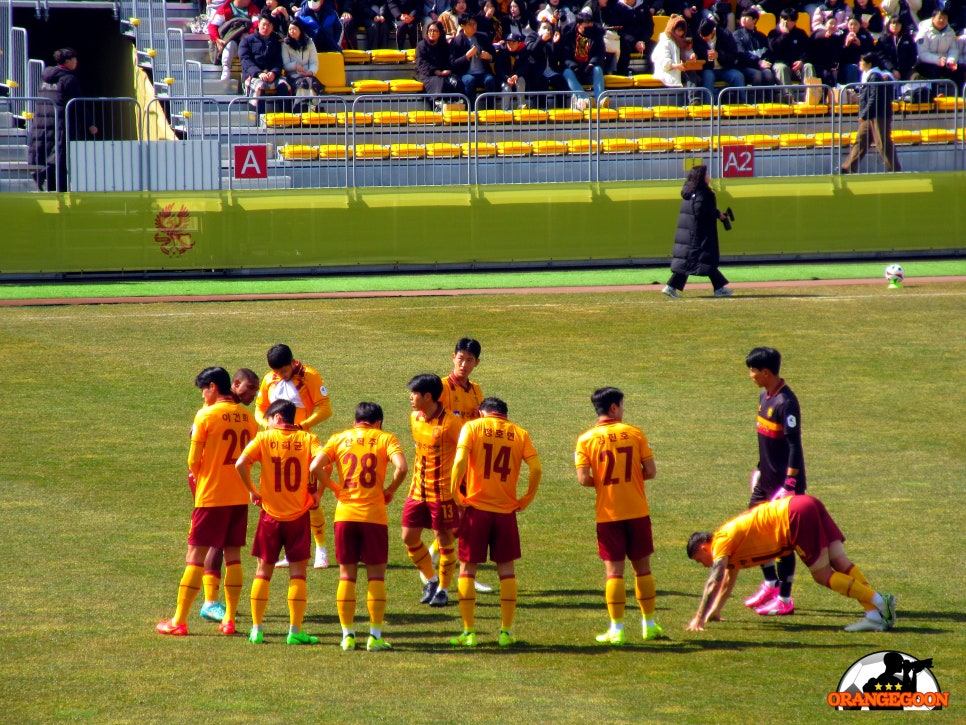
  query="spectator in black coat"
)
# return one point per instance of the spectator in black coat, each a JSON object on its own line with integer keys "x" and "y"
{"x": 405, "y": 16}
{"x": 717, "y": 47}
{"x": 261, "y": 61}
{"x": 433, "y": 66}
{"x": 787, "y": 48}
{"x": 752, "y": 47}
{"x": 544, "y": 69}
{"x": 875, "y": 118}
{"x": 471, "y": 54}
{"x": 858, "y": 42}
{"x": 825, "y": 51}
{"x": 896, "y": 50}
{"x": 696, "y": 239}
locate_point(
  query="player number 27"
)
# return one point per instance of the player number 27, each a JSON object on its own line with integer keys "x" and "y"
{"x": 609, "y": 460}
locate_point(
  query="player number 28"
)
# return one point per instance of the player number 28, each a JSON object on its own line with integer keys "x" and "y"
{"x": 367, "y": 470}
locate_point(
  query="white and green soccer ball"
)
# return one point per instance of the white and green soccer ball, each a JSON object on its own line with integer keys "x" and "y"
{"x": 894, "y": 274}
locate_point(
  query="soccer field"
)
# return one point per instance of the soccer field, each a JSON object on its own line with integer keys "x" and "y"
{"x": 96, "y": 508}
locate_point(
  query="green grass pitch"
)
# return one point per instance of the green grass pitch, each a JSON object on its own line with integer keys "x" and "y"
{"x": 95, "y": 507}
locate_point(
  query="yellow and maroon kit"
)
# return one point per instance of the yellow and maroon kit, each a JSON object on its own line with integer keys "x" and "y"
{"x": 614, "y": 452}
{"x": 435, "y": 438}
{"x": 759, "y": 535}
{"x": 285, "y": 454}
{"x": 219, "y": 435}
{"x": 495, "y": 448}
{"x": 305, "y": 389}
{"x": 462, "y": 401}
{"x": 361, "y": 455}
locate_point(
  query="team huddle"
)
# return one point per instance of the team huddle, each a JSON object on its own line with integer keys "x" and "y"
{"x": 468, "y": 459}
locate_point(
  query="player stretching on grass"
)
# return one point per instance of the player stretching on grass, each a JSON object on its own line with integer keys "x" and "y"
{"x": 490, "y": 452}
{"x": 286, "y": 491}
{"x": 779, "y": 528}
{"x": 614, "y": 458}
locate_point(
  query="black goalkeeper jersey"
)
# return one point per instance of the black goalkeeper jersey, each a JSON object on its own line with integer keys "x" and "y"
{"x": 779, "y": 439}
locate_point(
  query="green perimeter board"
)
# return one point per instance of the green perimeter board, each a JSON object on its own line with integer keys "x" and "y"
{"x": 46, "y": 233}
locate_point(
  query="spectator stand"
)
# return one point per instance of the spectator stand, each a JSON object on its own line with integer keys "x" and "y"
{"x": 16, "y": 115}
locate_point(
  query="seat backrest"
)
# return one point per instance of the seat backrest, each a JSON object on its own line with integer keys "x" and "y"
{"x": 766, "y": 23}
{"x": 331, "y": 72}
{"x": 660, "y": 23}
{"x": 805, "y": 23}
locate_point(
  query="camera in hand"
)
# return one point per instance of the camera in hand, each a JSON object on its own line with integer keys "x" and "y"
{"x": 729, "y": 216}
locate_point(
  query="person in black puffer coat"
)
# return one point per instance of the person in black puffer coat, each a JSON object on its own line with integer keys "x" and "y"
{"x": 696, "y": 239}
{"x": 48, "y": 131}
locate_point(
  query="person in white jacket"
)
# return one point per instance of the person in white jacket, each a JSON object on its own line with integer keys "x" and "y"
{"x": 300, "y": 60}
{"x": 672, "y": 49}
{"x": 938, "y": 50}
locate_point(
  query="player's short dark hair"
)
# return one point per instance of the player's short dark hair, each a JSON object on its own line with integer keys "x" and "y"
{"x": 279, "y": 356}
{"x": 494, "y": 405}
{"x": 696, "y": 539}
{"x": 284, "y": 408}
{"x": 370, "y": 413}
{"x": 765, "y": 358}
{"x": 242, "y": 374}
{"x": 468, "y": 344}
{"x": 603, "y": 398}
{"x": 751, "y": 13}
{"x": 789, "y": 14}
{"x": 63, "y": 55}
{"x": 426, "y": 383}
{"x": 216, "y": 375}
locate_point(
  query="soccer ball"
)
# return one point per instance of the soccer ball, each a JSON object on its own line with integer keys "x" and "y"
{"x": 894, "y": 274}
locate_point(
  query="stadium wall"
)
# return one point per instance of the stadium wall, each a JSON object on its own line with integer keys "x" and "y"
{"x": 777, "y": 218}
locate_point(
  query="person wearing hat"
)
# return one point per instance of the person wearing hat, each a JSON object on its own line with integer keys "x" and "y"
{"x": 512, "y": 67}
{"x": 261, "y": 60}
{"x": 717, "y": 47}
{"x": 582, "y": 51}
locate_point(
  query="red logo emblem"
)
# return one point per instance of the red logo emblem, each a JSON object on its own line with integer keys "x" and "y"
{"x": 173, "y": 236}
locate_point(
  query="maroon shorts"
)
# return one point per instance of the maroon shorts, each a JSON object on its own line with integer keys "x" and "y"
{"x": 435, "y": 515}
{"x": 219, "y": 526}
{"x": 357, "y": 541}
{"x": 811, "y": 528}
{"x": 482, "y": 530}
{"x": 628, "y": 539}
{"x": 272, "y": 535}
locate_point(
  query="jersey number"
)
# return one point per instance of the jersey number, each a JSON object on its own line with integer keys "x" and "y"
{"x": 288, "y": 473}
{"x": 236, "y": 444}
{"x": 609, "y": 460}
{"x": 496, "y": 464}
{"x": 367, "y": 470}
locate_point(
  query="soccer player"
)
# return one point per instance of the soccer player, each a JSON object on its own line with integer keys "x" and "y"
{"x": 244, "y": 387}
{"x": 614, "y": 458}
{"x": 780, "y": 471}
{"x": 776, "y": 528}
{"x": 361, "y": 455}
{"x": 462, "y": 396}
{"x": 286, "y": 491}
{"x": 291, "y": 380}
{"x": 221, "y": 430}
{"x": 488, "y": 458}
{"x": 430, "y": 504}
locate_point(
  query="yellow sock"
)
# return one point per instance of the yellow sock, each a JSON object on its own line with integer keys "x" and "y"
{"x": 376, "y": 601}
{"x": 447, "y": 565}
{"x": 646, "y": 593}
{"x": 861, "y": 578}
{"x": 187, "y": 591}
{"x": 259, "y": 599}
{"x": 467, "y": 593}
{"x": 420, "y": 557}
{"x": 345, "y": 602}
{"x": 508, "y": 601}
{"x": 616, "y": 596}
{"x": 297, "y": 601}
{"x": 233, "y": 587}
{"x": 212, "y": 583}
{"x": 317, "y": 522}
{"x": 851, "y": 588}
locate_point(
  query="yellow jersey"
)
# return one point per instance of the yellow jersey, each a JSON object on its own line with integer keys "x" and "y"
{"x": 614, "y": 452}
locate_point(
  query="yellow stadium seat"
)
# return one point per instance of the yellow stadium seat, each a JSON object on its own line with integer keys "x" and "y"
{"x": 371, "y": 151}
{"x": 454, "y": 118}
{"x": 494, "y": 116}
{"x": 660, "y": 23}
{"x": 960, "y": 134}
{"x": 905, "y": 137}
{"x": 771, "y": 110}
{"x": 296, "y": 152}
{"x": 810, "y": 109}
{"x": 370, "y": 85}
{"x": 619, "y": 145}
{"x": 832, "y": 139}
{"x": 805, "y": 23}
{"x": 563, "y": 115}
{"x": 916, "y": 107}
{"x": 354, "y": 118}
{"x": 646, "y": 80}
{"x": 405, "y": 85}
{"x": 762, "y": 141}
{"x": 314, "y": 118}
{"x": 766, "y": 23}
{"x": 478, "y": 149}
{"x": 651, "y": 144}
{"x": 949, "y": 103}
{"x": 389, "y": 118}
{"x": 334, "y": 151}
{"x": 513, "y": 148}
{"x": 725, "y": 140}
{"x": 353, "y": 57}
{"x": 442, "y": 150}
{"x": 410, "y": 55}
{"x": 530, "y": 115}
{"x": 635, "y": 113}
{"x": 937, "y": 135}
{"x": 848, "y": 109}
{"x": 581, "y": 146}
{"x": 406, "y": 151}
{"x": 796, "y": 141}
{"x": 738, "y": 110}
{"x": 691, "y": 143}
{"x": 700, "y": 111}
{"x": 670, "y": 112}
{"x": 602, "y": 114}
{"x": 281, "y": 120}
{"x": 425, "y": 118}
{"x": 548, "y": 148}
{"x": 387, "y": 55}
{"x": 331, "y": 73}
{"x": 617, "y": 82}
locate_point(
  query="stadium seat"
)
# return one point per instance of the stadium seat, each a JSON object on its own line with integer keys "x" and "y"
{"x": 354, "y": 118}
{"x": 581, "y": 146}
{"x": 548, "y": 148}
{"x": 618, "y": 82}
{"x": 796, "y": 140}
{"x": 406, "y": 151}
{"x": 331, "y": 73}
{"x": 635, "y": 113}
{"x": 653, "y": 144}
{"x": 478, "y": 149}
{"x": 691, "y": 143}
{"x": 832, "y": 139}
{"x": 738, "y": 110}
{"x": 371, "y": 151}
{"x": 670, "y": 112}
{"x": 530, "y": 115}
{"x": 297, "y": 152}
{"x": 601, "y": 114}
{"x": 848, "y": 109}
{"x": 762, "y": 141}
{"x": 425, "y": 118}
{"x": 494, "y": 116}
{"x": 369, "y": 86}
{"x": 410, "y": 55}
{"x": 334, "y": 151}
{"x": 905, "y": 137}
{"x": 810, "y": 109}
{"x": 961, "y": 134}
{"x": 646, "y": 80}
{"x": 619, "y": 146}
{"x": 700, "y": 111}
{"x": 513, "y": 148}
{"x": 281, "y": 120}
{"x": 905, "y": 107}
{"x": 565, "y": 115}
{"x": 455, "y": 118}
{"x": 660, "y": 23}
{"x": 389, "y": 118}
{"x": 949, "y": 103}
{"x": 766, "y": 23}
{"x": 387, "y": 55}
{"x": 443, "y": 150}
{"x": 315, "y": 118}
{"x": 774, "y": 110}
{"x": 725, "y": 140}
{"x": 937, "y": 135}
{"x": 355, "y": 57}
{"x": 405, "y": 85}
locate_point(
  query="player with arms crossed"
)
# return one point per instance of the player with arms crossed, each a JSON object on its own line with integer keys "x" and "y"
{"x": 779, "y": 528}
{"x": 430, "y": 504}
{"x": 221, "y": 430}
{"x": 361, "y": 455}
{"x": 303, "y": 386}
{"x": 286, "y": 491}
{"x": 780, "y": 471}
{"x": 614, "y": 458}
{"x": 491, "y": 450}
